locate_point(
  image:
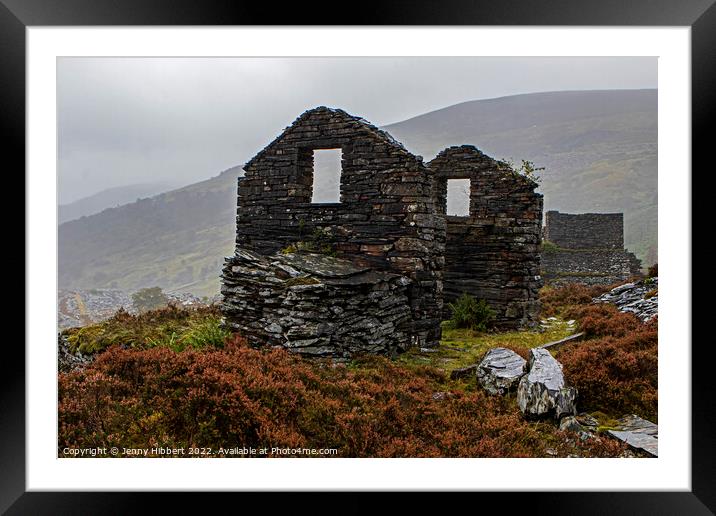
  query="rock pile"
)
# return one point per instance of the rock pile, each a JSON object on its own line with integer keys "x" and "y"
{"x": 67, "y": 360}
{"x": 315, "y": 304}
{"x": 640, "y": 298}
{"x": 543, "y": 389}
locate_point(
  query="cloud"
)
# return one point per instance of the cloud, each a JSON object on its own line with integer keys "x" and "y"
{"x": 136, "y": 120}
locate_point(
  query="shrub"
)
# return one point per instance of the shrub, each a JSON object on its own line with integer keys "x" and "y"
{"x": 604, "y": 320}
{"x": 467, "y": 312}
{"x": 149, "y": 299}
{"x": 549, "y": 247}
{"x": 555, "y": 300}
{"x": 653, "y": 271}
{"x": 240, "y": 396}
{"x": 616, "y": 374}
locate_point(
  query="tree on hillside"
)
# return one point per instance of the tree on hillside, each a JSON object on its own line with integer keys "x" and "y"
{"x": 149, "y": 299}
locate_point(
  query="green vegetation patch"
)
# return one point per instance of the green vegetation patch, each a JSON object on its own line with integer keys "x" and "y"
{"x": 461, "y": 347}
{"x": 173, "y": 327}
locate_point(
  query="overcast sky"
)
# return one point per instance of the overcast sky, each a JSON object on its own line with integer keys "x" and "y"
{"x": 139, "y": 120}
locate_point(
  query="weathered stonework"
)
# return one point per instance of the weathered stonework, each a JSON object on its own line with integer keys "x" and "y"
{"x": 386, "y": 236}
{"x": 492, "y": 254}
{"x": 315, "y": 305}
{"x": 585, "y": 230}
{"x": 386, "y": 219}
{"x": 586, "y": 248}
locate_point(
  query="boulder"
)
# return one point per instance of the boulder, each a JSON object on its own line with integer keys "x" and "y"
{"x": 500, "y": 370}
{"x": 543, "y": 390}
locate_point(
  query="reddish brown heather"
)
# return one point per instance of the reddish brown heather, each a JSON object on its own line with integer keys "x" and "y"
{"x": 239, "y": 396}
{"x": 555, "y": 300}
{"x": 616, "y": 371}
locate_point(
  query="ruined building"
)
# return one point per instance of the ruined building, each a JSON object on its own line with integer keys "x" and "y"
{"x": 586, "y": 248}
{"x": 371, "y": 272}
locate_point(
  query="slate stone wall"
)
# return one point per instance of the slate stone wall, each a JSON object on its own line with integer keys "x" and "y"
{"x": 316, "y": 305}
{"x": 585, "y": 230}
{"x": 386, "y": 219}
{"x": 589, "y": 266}
{"x": 586, "y": 248}
{"x": 492, "y": 254}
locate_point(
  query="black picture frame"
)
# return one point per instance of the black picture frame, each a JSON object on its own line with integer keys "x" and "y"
{"x": 700, "y": 15}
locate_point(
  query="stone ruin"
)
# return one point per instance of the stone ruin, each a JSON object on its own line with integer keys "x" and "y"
{"x": 493, "y": 252}
{"x": 586, "y": 248}
{"x": 371, "y": 273}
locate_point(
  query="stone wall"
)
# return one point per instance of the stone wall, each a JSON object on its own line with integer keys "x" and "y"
{"x": 492, "y": 254}
{"x": 316, "y": 305}
{"x": 585, "y": 230}
{"x": 586, "y": 248}
{"x": 589, "y": 266}
{"x": 386, "y": 219}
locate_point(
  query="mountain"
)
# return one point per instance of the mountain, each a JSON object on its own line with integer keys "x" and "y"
{"x": 175, "y": 240}
{"x": 110, "y": 198}
{"x": 598, "y": 148}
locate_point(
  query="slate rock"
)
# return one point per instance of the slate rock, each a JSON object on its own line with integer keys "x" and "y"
{"x": 638, "y": 433}
{"x": 543, "y": 390}
{"x": 500, "y": 370}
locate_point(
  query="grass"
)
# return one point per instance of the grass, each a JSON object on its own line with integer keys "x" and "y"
{"x": 172, "y": 327}
{"x": 464, "y": 347}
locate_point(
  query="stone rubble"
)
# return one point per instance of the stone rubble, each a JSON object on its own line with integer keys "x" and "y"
{"x": 632, "y": 298}
{"x": 583, "y": 424}
{"x": 500, "y": 370}
{"x": 543, "y": 389}
{"x": 68, "y": 361}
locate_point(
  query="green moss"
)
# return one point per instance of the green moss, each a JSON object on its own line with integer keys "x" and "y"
{"x": 301, "y": 280}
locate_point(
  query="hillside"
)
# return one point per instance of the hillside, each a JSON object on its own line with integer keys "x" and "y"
{"x": 175, "y": 239}
{"x": 599, "y": 148}
{"x": 110, "y": 198}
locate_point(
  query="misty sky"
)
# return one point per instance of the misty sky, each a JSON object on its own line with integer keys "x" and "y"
{"x": 140, "y": 120}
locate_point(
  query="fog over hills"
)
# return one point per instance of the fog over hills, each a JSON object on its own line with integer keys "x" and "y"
{"x": 599, "y": 149}
{"x": 110, "y": 198}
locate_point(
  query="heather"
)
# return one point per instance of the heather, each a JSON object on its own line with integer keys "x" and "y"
{"x": 174, "y": 378}
{"x": 239, "y": 396}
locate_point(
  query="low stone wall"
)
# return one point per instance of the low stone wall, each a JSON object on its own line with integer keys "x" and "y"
{"x": 589, "y": 266}
{"x": 315, "y": 304}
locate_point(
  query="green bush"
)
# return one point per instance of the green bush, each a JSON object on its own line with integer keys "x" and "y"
{"x": 149, "y": 299}
{"x": 467, "y": 312}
